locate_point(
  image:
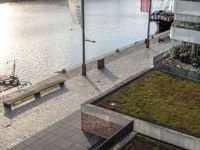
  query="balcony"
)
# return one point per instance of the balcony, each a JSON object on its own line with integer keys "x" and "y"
{"x": 187, "y": 8}
{"x": 186, "y": 35}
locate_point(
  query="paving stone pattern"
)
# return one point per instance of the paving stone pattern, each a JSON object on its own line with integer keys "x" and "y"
{"x": 65, "y": 134}
{"x": 30, "y": 119}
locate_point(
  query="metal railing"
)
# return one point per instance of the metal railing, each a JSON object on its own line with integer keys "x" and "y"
{"x": 116, "y": 138}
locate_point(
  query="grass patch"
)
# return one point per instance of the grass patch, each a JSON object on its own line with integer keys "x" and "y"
{"x": 161, "y": 98}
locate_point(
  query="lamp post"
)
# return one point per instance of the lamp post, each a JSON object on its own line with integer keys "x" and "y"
{"x": 83, "y": 37}
{"x": 149, "y": 20}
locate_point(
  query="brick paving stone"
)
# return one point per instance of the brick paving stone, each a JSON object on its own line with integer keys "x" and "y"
{"x": 60, "y": 137}
{"x": 65, "y": 144}
{"x": 49, "y": 146}
{"x": 52, "y": 128}
{"x": 68, "y": 135}
{"x": 39, "y": 144}
{"x": 30, "y": 140}
{"x": 60, "y": 131}
{"x": 19, "y": 147}
{"x": 76, "y": 147}
{"x": 48, "y": 137}
{"x": 28, "y": 148}
{"x": 41, "y": 134}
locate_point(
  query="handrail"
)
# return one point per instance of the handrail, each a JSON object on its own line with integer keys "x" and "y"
{"x": 116, "y": 138}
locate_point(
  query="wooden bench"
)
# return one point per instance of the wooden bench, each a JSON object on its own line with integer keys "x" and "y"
{"x": 35, "y": 90}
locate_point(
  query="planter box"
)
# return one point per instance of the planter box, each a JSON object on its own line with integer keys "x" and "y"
{"x": 174, "y": 70}
{"x": 159, "y": 57}
{"x": 162, "y": 67}
{"x": 193, "y": 75}
{"x": 178, "y": 71}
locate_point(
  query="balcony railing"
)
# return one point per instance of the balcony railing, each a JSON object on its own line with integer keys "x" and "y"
{"x": 116, "y": 138}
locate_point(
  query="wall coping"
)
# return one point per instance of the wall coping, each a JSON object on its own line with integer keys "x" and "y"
{"x": 105, "y": 114}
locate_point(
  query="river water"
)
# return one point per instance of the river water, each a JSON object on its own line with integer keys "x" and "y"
{"x": 42, "y": 38}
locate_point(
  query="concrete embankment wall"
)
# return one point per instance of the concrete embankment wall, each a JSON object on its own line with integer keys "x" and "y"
{"x": 100, "y": 121}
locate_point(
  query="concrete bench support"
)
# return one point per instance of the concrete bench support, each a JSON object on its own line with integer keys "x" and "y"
{"x": 37, "y": 95}
{"x": 101, "y": 63}
{"x": 160, "y": 40}
{"x": 7, "y": 108}
{"x": 62, "y": 84}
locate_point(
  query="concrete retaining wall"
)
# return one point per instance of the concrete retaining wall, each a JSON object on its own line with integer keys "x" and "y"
{"x": 100, "y": 121}
{"x": 167, "y": 135}
{"x": 146, "y": 128}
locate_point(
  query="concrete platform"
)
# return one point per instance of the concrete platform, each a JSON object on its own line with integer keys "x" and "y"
{"x": 27, "y": 121}
{"x": 65, "y": 134}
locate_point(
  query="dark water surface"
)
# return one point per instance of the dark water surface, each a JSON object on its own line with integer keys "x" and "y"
{"x": 38, "y": 35}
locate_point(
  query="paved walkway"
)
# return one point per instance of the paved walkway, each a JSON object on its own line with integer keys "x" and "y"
{"x": 30, "y": 119}
{"x": 64, "y": 134}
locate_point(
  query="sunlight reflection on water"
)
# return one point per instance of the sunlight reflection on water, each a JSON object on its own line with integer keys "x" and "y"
{"x": 42, "y": 38}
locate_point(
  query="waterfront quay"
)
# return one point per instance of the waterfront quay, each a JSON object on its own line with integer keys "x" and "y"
{"x": 40, "y": 115}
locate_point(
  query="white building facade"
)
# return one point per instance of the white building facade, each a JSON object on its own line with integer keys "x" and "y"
{"x": 185, "y": 31}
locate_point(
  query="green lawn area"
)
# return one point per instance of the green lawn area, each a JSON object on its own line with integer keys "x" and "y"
{"x": 161, "y": 98}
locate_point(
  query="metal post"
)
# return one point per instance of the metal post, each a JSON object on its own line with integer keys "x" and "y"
{"x": 149, "y": 20}
{"x": 83, "y": 37}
